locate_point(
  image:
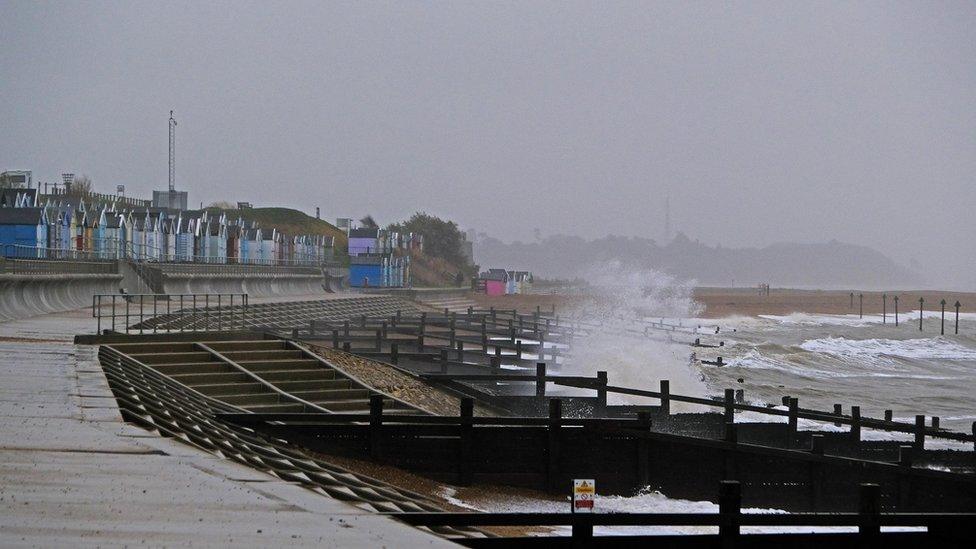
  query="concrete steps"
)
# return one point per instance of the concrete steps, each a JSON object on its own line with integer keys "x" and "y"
{"x": 259, "y": 376}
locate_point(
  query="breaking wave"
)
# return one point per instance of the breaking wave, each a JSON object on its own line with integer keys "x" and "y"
{"x": 936, "y": 348}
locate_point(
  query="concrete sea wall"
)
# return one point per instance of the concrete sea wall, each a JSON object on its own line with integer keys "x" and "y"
{"x": 23, "y": 296}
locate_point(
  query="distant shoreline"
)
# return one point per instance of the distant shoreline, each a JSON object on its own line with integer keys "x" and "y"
{"x": 727, "y": 302}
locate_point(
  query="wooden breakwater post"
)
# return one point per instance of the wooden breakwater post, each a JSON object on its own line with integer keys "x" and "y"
{"x": 665, "y": 399}
{"x": 794, "y": 408}
{"x": 540, "y": 379}
{"x": 817, "y": 472}
{"x": 375, "y": 426}
{"x": 394, "y": 353}
{"x": 601, "y": 391}
{"x": 335, "y": 339}
{"x": 838, "y": 411}
{"x": 920, "y": 432}
{"x": 855, "y": 434}
{"x": 643, "y": 450}
{"x": 942, "y": 329}
{"x": 896, "y": 311}
{"x": 957, "y": 305}
{"x": 730, "y": 454}
{"x": 466, "y": 442}
{"x": 496, "y": 368}
{"x": 379, "y": 340}
{"x": 921, "y": 310}
{"x": 347, "y": 346}
{"x": 460, "y": 351}
{"x": 552, "y": 446}
{"x": 729, "y": 509}
{"x": 869, "y": 509}
{"x": 443, "y": 361}
{"x": 729, "y": 406}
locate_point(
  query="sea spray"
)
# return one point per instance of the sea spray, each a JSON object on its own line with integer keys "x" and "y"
{"x": 619, "y": 296}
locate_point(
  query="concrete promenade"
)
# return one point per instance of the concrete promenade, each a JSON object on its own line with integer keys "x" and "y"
{"x": 72, "y": 474}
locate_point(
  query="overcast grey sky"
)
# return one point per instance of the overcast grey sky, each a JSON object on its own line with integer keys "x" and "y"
{"x": 768, "y": 122}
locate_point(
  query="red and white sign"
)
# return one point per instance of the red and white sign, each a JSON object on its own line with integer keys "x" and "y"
{"x": 584, "y": 490}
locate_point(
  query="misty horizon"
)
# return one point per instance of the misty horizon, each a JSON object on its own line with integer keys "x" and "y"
{"x": 764, "y": 122}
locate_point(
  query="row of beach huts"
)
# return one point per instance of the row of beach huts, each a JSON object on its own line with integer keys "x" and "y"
{"x": 37, "y": 228}
{"x": 495, "y": 282}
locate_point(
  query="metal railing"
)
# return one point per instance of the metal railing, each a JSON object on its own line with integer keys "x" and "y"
{"x": 48, "y": 267}
{"x": 110, "y": 249}
{"x": 193, "y": 312}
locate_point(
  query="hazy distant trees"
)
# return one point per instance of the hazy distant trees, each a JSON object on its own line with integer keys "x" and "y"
{"x": 221, "y": 204}
{"x": 81, "y": 187}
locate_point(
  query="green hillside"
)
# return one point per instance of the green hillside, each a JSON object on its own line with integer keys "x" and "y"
{"x": 289, "y": 221}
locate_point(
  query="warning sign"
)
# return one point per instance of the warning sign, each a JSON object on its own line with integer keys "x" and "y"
{"x": 584, "y": 490}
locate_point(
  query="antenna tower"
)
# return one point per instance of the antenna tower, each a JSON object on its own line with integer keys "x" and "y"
{"x": 172, "y": 153}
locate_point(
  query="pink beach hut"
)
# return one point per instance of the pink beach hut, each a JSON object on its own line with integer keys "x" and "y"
{"x": 496, "y": 280}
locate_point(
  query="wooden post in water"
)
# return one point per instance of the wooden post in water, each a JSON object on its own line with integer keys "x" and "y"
{"x": 860, "y": 302}
{"x": 394, "y": 353}
{"x": 347, "y": 346}
{"x": 957, "y": 317}
{"x": 935, "y": 422}
{"x": 540, "y": 379}
{"x": 496, "y": 368}
{"x": 444, "y": 361}
{"x": 942, "y": 329}
{"x": 379, "y": 340}
{"x": 335, "y": 339}
{"x": 884, "y": 308}
{"x": 921, "y": 309}
{"x": 838, "y": 411}
{"x": 896, "y": 311}
{"x": 460, "y": 351}
{"x": 889, "y": 415}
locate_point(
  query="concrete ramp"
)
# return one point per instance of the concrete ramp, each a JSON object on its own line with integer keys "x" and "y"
{"x": 23, "y": 296}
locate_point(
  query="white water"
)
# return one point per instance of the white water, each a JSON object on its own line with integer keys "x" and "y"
{"x": 622, "y": 296}
{"x": 923, "y": 348}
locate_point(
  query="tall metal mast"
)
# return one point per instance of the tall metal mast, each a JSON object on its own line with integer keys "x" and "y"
{"x": 172, "y": 153}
